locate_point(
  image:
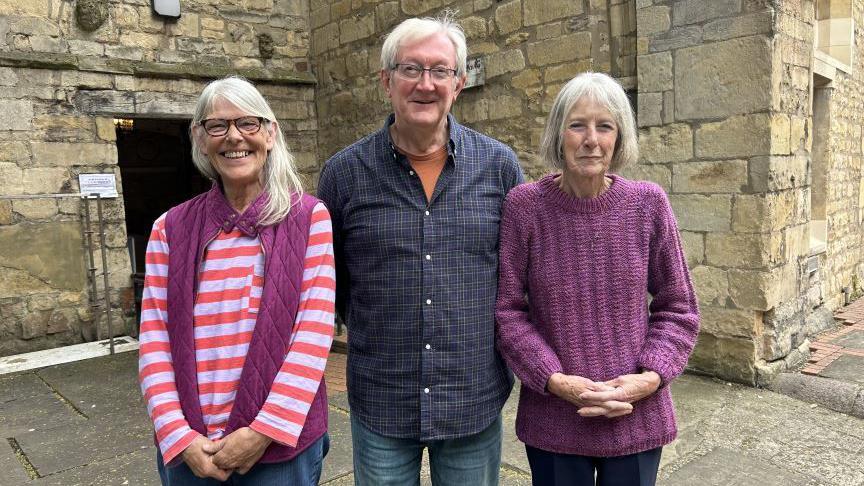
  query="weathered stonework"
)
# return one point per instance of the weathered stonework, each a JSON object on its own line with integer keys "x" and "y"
{"x": 62, "y": 84}
{"x": 530, "y": 49}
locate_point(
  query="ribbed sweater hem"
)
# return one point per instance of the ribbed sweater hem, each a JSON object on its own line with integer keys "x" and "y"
{"x": 642, "y": 446}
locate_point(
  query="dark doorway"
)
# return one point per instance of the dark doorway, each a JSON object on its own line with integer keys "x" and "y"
{"x": 157, "y": 173}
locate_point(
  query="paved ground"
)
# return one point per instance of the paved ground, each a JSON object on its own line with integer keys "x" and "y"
{"x": 834, "y": 374}
{"x": 83, "y": 423}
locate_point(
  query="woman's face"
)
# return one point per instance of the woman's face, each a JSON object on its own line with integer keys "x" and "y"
{"x": 588, "y": 142}
{"x": 238, "y": 157}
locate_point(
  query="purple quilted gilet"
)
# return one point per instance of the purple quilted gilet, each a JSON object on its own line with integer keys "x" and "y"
{"x": 190, "y": 227}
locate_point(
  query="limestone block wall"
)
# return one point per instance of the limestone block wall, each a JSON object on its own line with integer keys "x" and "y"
{"x": 218, "y": 33}
{"x": 530, "y": 49}
{"x": 61, "y": 87}
{"x": 710, "y": 136}
{"x": 843, "y": 265}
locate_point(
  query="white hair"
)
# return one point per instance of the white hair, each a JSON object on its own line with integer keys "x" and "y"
{"x": 602, "y": 89}
{"x": 279, "y": 177}
{"x": 415, "y": 29}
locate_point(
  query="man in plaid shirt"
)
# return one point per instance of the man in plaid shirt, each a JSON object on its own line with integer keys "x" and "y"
{"x": 415, "y": 209}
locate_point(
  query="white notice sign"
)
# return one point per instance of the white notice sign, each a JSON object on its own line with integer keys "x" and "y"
{"x": 103, "y": 184}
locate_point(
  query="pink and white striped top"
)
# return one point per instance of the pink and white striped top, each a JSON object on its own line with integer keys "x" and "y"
{"x": 230, "y": 282}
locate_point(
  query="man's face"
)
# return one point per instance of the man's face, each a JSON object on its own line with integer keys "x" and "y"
{"x": 423, "y": 102}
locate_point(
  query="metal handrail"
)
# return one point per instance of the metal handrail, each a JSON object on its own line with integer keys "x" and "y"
{"x": 88, "y": 238}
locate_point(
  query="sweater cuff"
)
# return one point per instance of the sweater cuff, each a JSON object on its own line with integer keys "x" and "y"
{"x": 545, "y": 369}
{"x": 667, "y": 371}
{"x": 276, "y": 435}
{"x": 172, "y": 456}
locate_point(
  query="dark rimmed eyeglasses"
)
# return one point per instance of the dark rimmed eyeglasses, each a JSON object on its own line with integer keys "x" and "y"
{"x": 217, "y": 127}
{"x": 414, "y": 72}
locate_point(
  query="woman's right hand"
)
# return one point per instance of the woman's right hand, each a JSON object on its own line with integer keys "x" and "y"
{"x": 570, "y": 387}
{"x": 199, "y": 458}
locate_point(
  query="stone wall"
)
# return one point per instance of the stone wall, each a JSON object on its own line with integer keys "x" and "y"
{"x": 530, "y": 49}
{"x": 726, "y": 128}
{"x": 844, "y": 197}
{"x": 61, "y": 87}
{"x": 710, "y": 137}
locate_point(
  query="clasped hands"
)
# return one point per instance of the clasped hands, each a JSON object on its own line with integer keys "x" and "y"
{"x": 611, "y": 398}
{"x": 237, "y": 451}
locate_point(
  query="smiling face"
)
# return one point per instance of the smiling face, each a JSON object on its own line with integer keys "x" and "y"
{"x": 237, "y": 157}
{"x": 588, "y": 141}
{"x": 423, "y": 103}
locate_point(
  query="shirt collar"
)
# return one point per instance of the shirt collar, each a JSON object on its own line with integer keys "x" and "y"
{"x": 454, "y": 134}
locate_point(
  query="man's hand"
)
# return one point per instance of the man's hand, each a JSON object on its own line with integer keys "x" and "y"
{"x": 200, "y": 460}
{"x": 572, "y": 388}
{"x": 241, "y": 449}
{"x": 625, "y": 388}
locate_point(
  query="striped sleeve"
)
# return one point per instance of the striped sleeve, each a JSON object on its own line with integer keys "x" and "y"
{"x": 155, "y": 368}
{"x": 284, "y": 412}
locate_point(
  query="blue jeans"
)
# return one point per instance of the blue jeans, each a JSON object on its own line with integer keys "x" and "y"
{"x": 554, "y": 469}
{"x": 303, "y": 470}
{"x": 381, "y": 461}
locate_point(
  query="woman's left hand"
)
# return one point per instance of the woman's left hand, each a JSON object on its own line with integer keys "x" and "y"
{"x": 241, "y": 449}
{"x": 626, "y": 388}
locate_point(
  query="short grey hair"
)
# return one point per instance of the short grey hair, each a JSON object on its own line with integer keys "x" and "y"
{"x": 280, "y": 179}
{"x": 602, "y": 89}
{"x": 415, "y": 29}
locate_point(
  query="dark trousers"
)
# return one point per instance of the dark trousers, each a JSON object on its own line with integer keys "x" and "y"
{"x": 553, "y": 469}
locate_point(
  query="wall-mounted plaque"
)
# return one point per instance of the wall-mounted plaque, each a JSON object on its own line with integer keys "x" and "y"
{"x": 475, "y": 72}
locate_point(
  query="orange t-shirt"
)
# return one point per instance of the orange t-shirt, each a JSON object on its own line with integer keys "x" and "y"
{"x": 428, "y": 167}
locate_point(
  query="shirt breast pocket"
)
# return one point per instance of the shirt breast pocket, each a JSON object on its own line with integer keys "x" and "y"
{"x": 474, "y": 227}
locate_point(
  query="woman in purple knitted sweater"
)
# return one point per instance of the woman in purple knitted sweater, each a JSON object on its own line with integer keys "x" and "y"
{"x": 580, "y": 252}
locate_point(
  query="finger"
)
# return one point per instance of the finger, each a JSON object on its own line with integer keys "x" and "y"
{"x": 619, "y": 413}
{"x": 222, "y": 474}
{"x": 601, "y": 396}
{"x": 222, "y": 460}
{"x": 592, "y": 411}
{"x": 211, "y": 447}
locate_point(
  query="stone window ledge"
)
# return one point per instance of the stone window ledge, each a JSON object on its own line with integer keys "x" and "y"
{"x": 827, "y": 66}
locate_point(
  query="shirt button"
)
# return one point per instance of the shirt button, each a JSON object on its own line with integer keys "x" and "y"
{"x": 425, "y": 390}
{"x": 428, "y": 346}
{"x": 428, "y": 257}
{"x": 428, "y": 301}
{"x": 410, "y": 172}
{"x": 427, "y": 213}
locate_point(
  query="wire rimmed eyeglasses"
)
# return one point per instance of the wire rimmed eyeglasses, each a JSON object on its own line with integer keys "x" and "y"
{"x": 217, "y": 127}
{"x": 414, "y": 71}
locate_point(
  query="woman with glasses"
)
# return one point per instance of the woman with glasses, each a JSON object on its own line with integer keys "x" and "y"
{"x": 238, "y": 309}
{"x": 580, "y": 251}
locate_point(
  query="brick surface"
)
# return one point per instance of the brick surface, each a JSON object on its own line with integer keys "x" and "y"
{"x": 842, "y": 341}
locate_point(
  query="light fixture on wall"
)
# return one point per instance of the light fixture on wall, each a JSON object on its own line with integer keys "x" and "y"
{"x": 124, "y": 124}
{"x": 167, "y": 8}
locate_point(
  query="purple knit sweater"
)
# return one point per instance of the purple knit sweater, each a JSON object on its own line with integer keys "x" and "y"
{"x": 586, "y": 265}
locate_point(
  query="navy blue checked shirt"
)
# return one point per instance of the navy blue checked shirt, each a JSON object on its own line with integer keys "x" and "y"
{"x": 416, "y": 283}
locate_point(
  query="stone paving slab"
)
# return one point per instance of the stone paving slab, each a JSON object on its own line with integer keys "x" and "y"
{"x": 99, "y": 387}
{"x": 723, "y": 430}
{"x": 93, "y": 441}
{"x": 338, "y": 462}
{"x": 137, "y": 468}
{"x": 36, "y": 413}
{"x": 11, "y": 470}
{"x": 846, "y": 368}
{"x": 21, "y": 386}
{"x": 854, "y": 339}
{"x": 513, "y": 456}
{"x": 724, "y": 467}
